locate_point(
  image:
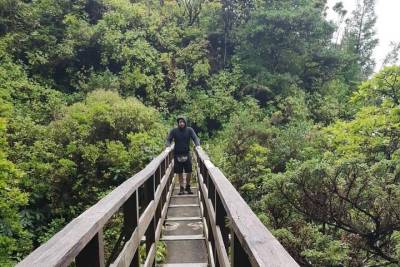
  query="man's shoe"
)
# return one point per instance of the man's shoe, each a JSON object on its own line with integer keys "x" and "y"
{"x": 188, "y": 190}
{"x": 181, "y": 191}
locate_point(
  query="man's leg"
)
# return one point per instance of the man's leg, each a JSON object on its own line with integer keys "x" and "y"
{"x": 188, "y": 178}
{"x": 187, "y": 166}
{"x": 178, "y": 170}
{"x": 181, "y": 189}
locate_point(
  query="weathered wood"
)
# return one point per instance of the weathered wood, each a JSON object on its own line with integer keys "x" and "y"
{"x": 184, "y": 265}
{"x": 150, "y": 238}
{"x": 131, "y": 257}
{"x": 220, "y": 219}
{"x": 214, "y": 236}
{"x": 93, "y": 253}
{"x": 131, "y": 214}
{"x": 251, "y": 243}
{"x": 210, "y": 254}
{"x": 181, "y": 237}
{"x": 163, "y": 214}
{"x": 64, "y": 246}
{"x": 239, "y": 256}
{"x": 183, "y": 205}
{"x": 184, "y": 196}
{"x": 183, "y": 219}
{"x": 223, "y": 258}
{"x": 151, "y": 254}
{"x": 127, "y": 255}
{"x": 261, "y": 247}
{"x": 128, "y": 252}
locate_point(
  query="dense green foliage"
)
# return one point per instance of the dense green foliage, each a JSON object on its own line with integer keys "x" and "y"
{"x": 283, "y": 102}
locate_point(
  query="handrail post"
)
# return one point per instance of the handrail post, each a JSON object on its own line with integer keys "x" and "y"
{"x": 131, "y": 220}
{"x": 221, "y": 216}
{"x": 239, "y": 256}
{"x": 159, "y": 175}
{"x": 93, "y": 253}
{"x": 151, "y": 230}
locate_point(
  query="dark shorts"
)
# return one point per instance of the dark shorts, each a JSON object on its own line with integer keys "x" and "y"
{"x": 183, "y": 167}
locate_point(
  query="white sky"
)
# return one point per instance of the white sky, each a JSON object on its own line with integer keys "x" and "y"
{"x": 387, "y": 25}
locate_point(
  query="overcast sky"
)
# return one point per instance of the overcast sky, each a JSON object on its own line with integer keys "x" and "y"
{"x": 387, "y": 26}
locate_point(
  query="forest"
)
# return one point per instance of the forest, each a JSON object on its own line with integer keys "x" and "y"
{"x": 286, "y": 102}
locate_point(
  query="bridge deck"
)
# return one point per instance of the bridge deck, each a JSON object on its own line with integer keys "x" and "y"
{"x": 183, "y": 231}
{"x": 213, "y": 227}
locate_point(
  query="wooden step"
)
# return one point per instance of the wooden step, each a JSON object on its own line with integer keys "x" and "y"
{"x": 182, "y": 218}
{"x": 181, "y": 237}
{"x": 194, "y": 195}
{"x": 183, "y": 205}
{"x": 183, "y": 265}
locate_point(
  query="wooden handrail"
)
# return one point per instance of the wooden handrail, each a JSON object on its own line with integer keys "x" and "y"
{"x": 232, "y": 226}
{"x": 81, "y": 240}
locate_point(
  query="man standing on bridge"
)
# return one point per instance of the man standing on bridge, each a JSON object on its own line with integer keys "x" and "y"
{"x": 181, "y": 136}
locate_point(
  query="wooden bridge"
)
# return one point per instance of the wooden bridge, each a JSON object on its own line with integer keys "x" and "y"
{"x": 213, "y": 227}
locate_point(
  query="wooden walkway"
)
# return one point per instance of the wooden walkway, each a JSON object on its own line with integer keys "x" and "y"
{"x": 183, "y": 231}
{"x": 214, "y": 227}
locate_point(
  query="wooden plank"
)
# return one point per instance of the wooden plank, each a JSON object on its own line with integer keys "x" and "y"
{"x": 183, "y": 218}
{"x": 64, "y": 246}
{"x": 151, "y": 254}
{"x": 262, "y": 248}
{"x": 179, "y": 196}
{"x": 184, "y": 205}
{"x": 210, "y": 254}
{"x": 128, "y": 252}
{"x": 223, "y": 258}
{"x": 146, "y": 218}
{"x": 184, "y": 265}
{"x": 181, "y": 237}
{"x": 131, "y": 246}
{"x": 163, "y": 214}
{"x": 177, "y": 188}
{"x": 129, "y": 249}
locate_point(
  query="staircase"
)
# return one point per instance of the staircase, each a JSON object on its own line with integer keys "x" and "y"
{"x": 183, "y": 231}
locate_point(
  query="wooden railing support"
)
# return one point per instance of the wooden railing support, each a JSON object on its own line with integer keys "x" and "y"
{"x": 131, "y": 221}
{"x": 93, "y": 253}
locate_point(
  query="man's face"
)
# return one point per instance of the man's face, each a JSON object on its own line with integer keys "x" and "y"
{"x": 182, "y": 123}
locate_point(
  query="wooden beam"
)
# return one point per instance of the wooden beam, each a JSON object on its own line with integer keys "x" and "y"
{"x": 260, "y": 246}
{"x": 223, "y": 258}
{"x": 64, "y": 246}
{"x": 151, "y": 254}
{"x": 183, "y": 219}
{"x": 181, "y": 237}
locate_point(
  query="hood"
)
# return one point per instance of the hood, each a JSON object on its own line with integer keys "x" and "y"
{"x": 183, "y": 118}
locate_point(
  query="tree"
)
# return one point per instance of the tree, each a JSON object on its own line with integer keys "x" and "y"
{"x": 341, "y": 12}
{"x": 392, "y": 57}
{"x": 14, "y": 238}
{"x": 350, "y": 187}
{"x": 287, "y": 43}
{"x": 191, "y": 10}
{"x": 94, "y": 146}
{"x": 360, "y": 36}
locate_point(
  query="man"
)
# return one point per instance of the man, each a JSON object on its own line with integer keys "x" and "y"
{"x": 183, "y": 163}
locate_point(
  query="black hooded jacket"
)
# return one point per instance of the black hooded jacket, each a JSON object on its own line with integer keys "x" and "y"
{"x": 181, "y": 137}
